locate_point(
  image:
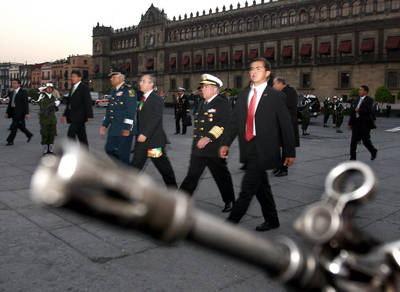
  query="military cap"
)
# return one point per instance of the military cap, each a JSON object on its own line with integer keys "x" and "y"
{"x": 211, "y": 79}
{"x": 112, "y": 73}
{"x": 181, "y": 89}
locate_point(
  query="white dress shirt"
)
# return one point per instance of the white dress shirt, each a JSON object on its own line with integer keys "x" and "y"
{"x": 146, "y": 95}
{"x": 359, "y": 104}
{"x": 260, "y": 90}
{"x": 15, "y": 92}
{"x": 207, "y": 101}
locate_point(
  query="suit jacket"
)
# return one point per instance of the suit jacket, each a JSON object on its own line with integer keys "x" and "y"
{"x": 211, "y": 120}
{"x": 79, "y": 105}
{"x": 366, "y": 114}
{"x": 273, "y": 128}
{"x": 21, "y": 105}
{"x": 291, "y": 103}
{"x": 150, "y": 122}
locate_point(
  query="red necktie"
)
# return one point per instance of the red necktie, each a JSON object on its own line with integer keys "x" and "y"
{"x": 250, "y": 117}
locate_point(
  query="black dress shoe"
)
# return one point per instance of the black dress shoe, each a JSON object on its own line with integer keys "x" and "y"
{"x": 373, "y": 154}
{"x": 281, "y": 173}
{"x": 9, "y": 143}
{"x": 275, "y": 171}
{"x": 267, "y": 226}
{"x": 29, "y": 139}
{"x": 228, "y": 207}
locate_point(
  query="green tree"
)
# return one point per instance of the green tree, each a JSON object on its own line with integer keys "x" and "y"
{"x": 354, "y": 92}
{"x": 383, "y": 95}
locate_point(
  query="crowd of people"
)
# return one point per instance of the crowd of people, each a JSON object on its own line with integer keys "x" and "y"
{"x": 263, "y": 117}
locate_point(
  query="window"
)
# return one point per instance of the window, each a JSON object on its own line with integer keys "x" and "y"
{"x": 323, "y": 13}
{"x": 186, "y": 83}
{"x": 284, "y": 19}
{"x": 369, "y": 7}
{"x": 274, "y": 20}
{"x": 345, "y": 10}
{"x": 303, "y": 17}
{"x": 392, "y": 79}
{"x": 380, "y": 5}
{"x": 395, "y": 4}
{"x": 356, "y": 8}
{"x": 312, "y": 14}
{"x": 256, "y": 23}
{"x": 344, "y": 80}
{"x": 85, "y": 62}
{"x": 292, "y": 17}
{"x": 266, "y": 21}
{"x": 333, "y": 12}
{"x": 238, "y": 82}
{"x": 306, "y": 80}
{"x": 249, "y": 25}
{"x": 172, "y": 84}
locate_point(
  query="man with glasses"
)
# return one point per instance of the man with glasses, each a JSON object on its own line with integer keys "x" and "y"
{"x": 211, "y": 119}
{"x": 262, "y": 123}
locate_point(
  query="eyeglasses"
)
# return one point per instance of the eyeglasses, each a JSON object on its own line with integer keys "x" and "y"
{"x": 258, "y": 68}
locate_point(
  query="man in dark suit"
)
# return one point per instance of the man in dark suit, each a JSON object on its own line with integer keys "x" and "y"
{"x": 291, "y": 103}
{"x": 78, "y": 109}
{"x": 362, "y": 120}
{"x": 211, "y": 120}
{"x": 182, "y": 110}
{"x": 151, "y": 138}
{"x": 18, "y": 111}
{"x": 262, "y": 123}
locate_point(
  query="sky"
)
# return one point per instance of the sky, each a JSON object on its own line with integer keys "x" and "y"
{"x": 47, "y": 30}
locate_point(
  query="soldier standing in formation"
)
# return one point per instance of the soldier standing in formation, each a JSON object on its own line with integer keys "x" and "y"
{"x": 211, "y": 120}
{"x": 120, "y": 118}
{"x": 48, "y": 105}
{"x": 327, "y": 110}
{"x": 338, "y": 112}
{"x": 182, "y": 110}
{"x": 305, "y": 115}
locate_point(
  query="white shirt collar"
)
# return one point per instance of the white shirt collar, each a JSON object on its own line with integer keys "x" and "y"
{"x": 146, "y": 95}
{"x": 119, "y": 86}
{"x": 16, "y": 90}
{"x": 77, "y": 84}
{"x": 260, "y": 88}
{"x": 210, "y": 99}
{"x": 362, "y": 97}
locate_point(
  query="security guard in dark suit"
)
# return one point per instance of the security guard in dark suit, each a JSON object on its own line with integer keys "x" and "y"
{"x": 120, "y": 118}
{"x": 211, "y": 119}
{"x": 182, "y": 110}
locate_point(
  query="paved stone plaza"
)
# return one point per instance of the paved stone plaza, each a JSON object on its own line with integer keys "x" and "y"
{"x": 45, "y": 249}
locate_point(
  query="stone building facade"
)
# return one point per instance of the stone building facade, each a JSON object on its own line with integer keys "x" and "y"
{"x": 323, "y": 47}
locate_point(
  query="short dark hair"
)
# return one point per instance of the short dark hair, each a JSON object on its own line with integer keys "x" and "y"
{"x": 16, "y": 79}
{"x": 365, "y": 87}
{"x": 267, "y": 64}
{"x": 77, "y": 73}
{"x": 280, "y": 80}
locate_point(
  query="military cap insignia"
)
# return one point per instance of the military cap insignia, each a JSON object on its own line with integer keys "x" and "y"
{"x": 131, "y": 92}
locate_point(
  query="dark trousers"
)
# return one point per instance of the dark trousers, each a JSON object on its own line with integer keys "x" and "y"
{"x": 119, "y": 147}
{"x": 78, "y": 130}
{"x": 15, "y": 125}
{"x": 219, "y": 171}
{"x": 162, "y": 164}
{"x": 255, "y": 182}
{"x": 360, "y": 132}
{"x": 177, "y": 123}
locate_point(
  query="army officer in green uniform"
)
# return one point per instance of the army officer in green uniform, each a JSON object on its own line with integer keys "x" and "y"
{"x": 120, "y": 118}
{"x": 48, "y": 105}
{"x": 211, "y": 119}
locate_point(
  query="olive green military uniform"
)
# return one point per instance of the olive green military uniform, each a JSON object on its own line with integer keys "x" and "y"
{"x": 338, "y": 110}
{"x": 47, "y": 118}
